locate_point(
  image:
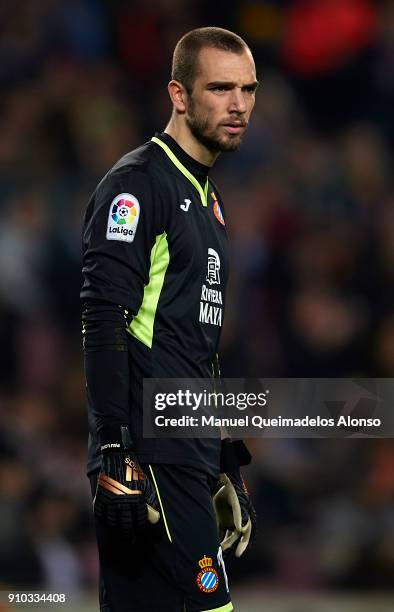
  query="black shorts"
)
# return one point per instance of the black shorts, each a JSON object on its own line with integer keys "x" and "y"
{"x": 176, "y": 566}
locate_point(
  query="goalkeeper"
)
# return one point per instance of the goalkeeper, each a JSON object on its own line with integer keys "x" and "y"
{"x": 154, "y": 236}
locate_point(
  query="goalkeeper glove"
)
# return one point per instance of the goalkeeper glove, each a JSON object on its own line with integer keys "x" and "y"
{"x": 235, "y": 514}
{"x": 125, "y": 498}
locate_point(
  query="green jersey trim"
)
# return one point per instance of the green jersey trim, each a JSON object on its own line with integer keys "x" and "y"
{"x": 161, "y": 504}
{"x": 203, "y": 192}
{"x": 142, "y": 324}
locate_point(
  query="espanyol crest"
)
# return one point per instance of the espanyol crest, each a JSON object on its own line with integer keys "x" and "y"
{"x": 207, "y": 579}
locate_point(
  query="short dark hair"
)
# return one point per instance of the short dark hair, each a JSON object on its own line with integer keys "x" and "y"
{"x": 186, "y": 52}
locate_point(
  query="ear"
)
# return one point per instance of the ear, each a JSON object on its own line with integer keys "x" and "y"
{"x": 178, "y": 95}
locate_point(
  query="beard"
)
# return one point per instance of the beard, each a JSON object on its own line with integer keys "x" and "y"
{"x": 208, "y": 135}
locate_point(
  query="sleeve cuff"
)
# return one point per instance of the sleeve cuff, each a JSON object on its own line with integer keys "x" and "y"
{"x": 233, "y": 454}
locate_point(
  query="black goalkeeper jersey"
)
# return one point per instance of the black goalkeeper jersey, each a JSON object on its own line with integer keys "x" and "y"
{"x": 155, "y": 242}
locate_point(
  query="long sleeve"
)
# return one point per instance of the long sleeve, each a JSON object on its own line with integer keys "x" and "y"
{"x": 119, "y": 233}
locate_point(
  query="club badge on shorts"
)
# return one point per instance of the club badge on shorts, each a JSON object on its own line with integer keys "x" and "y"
{"x": 123, "y": 216}
{"x": 207, "y": 579}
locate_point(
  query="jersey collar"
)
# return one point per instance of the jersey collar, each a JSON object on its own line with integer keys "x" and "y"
{"x": 189, "y": 167}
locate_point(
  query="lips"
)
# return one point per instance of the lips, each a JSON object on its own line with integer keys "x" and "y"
{"x": 234, "y": 128}
{"x": 234, "y": 124}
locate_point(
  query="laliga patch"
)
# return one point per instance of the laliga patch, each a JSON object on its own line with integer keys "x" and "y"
{"x": 208, "y": 579}
{"x": 124, "y": 213}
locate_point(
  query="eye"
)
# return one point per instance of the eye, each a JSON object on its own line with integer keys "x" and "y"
{"x": 219, "y": 88}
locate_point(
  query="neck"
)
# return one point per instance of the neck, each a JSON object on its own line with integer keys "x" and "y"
{"x": 181, "y": 133}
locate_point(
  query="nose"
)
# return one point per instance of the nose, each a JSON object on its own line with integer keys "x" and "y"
{"x": 237, "y": 101}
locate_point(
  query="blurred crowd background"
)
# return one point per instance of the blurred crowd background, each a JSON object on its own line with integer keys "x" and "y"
{"x": 310, "y": 208}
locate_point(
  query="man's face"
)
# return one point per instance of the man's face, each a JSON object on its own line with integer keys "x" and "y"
{"x": 223, "y": 95}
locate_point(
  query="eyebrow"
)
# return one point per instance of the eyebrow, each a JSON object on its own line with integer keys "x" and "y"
{"x": 253, "y": 85}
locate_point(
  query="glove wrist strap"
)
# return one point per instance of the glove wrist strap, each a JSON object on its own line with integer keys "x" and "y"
{"x": 115, "y": 438}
